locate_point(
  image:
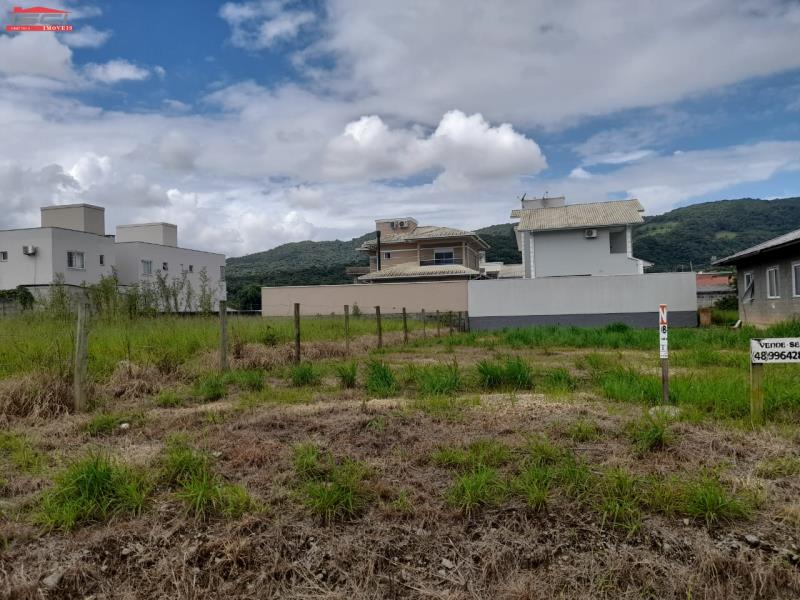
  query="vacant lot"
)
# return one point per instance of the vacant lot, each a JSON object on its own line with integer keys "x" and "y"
{"x": 521, "y": 464}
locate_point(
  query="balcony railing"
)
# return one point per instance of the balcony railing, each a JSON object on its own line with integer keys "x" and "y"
{"x": 441, "y": 261}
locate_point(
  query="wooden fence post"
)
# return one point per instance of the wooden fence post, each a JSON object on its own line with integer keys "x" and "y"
{"x": 378, "y": 321}
{"x": 450, "y": 321}
{"x": 347, "y": 329}
{"x": 438, "y": 324}
{"x": 223, "y": 336}
{"x": 297, "y": 332}
{"x": 81, "y": 358}
{"x": 756, "y": 393}
{"x": 405, "y": 327}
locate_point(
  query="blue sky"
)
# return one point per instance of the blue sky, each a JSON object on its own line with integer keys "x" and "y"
{"x": 254, "y": 123}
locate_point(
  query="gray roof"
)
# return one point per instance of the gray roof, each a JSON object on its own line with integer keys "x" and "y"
{"x": 786, "y": 239}
{"x": 413, "y": 270}
{"x": 422, "y": 232}
{"x": 578, "y": 216}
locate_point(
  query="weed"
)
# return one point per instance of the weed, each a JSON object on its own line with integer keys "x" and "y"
{"x": 309, "y": 461}
{"x": 304, "y": 373}
{"x": 480, "y": 487}
{"x": 776, "y": 468}
{"x": 107, "y": 423}
{"x": 245, "y": 379}
{"x": 341, "y": 494}
{"x": 583, "y": 430}
{"x": 706, "y": 498}
{"x": 402, "y": 503}
{"x": 438, "y": 380}
{"x": 480, "y": 453}
{"x": 169, "y": 399}
{"x": 619, "y": 499}
{"x": 209, "y": 388}
{"x": 347, "y": 373}
{"x": 92, "y": 490}
{"x": 377, "y": 424}
{"x": 649, "y": 434}
{"x": 533, "y": 484}
{"x": 380, "y": 379}
{"x": 22, "y": 454}
{"x": 205, "y": 495}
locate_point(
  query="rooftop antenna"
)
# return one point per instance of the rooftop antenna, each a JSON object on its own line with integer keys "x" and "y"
{"x": 523, "y": 197}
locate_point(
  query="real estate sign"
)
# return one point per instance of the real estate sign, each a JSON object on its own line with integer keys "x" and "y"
{"x": 774, "y": 350}
{"x": 663, "y": 345}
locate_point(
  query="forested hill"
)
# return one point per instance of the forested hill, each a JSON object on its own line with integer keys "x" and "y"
{"x": 692, "y": 235}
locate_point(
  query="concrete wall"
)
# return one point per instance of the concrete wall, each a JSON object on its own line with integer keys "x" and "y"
{"x": 92, "y": 246}
{"x": 761, "y": 310}
{"x": 559, "y": 253}
{"x": 583, "y": 301}
{"x": 26, "y": 270}
{"x": 165, "y": 234}
{"x": 391, "y": 297}
{"x": 131, "y": 254}
{"x": 80, "y": 217}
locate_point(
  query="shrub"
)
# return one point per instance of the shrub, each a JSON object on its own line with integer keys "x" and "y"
{"x": 480, "y": 487}
{"x": 92, "y": 490}
{"x": 438, "y": 380}
{"x": 304, "y": 373}
{"x": 209, "y": 388}
{"x": 380, "y": 379}
{"x": 347, "y": 373}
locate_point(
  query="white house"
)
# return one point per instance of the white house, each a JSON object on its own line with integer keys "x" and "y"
{"x": 72, "y": 243}
{"x": 558, "y": 240}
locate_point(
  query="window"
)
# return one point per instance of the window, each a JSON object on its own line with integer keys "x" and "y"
{"x": 443, "y": 256}
{"x": 618, "y": 242}
{"x": 222, "y": 273}
{"x": 749, "y": 289}
{"x": 102, "y": 260}
{"x": 75, "y": 260}
{"x": 3, "y": 255}
{"x": 191, "y": 268}
{"x": 165, "y": 266}
{"x": 773, "y": 289}
{"x": 387, "y": 255}
{"x": 796, "y": 280}
{"x": 147, "y": 267}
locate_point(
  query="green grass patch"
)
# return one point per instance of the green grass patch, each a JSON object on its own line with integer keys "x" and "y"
{"x": 438, "y": 380}
{"x": 169, "y": 399}
{"x": 707, "y": 499}
{"x": 16, "y": 448}
{"x": 276, "y": 395}
{"x": 245, "y": 379}
{"x": 628, "y": 385}
{"x": 583, "y": 430}
{"x": 332, "y": 490}
{"x": 347, "y": 372}
{"x": 541, "y": 452}
{"x": 209, "y": 388}
{"x": 619, "y": 496}
{"x": 649, "y": 434}
{"x": 483, "y": 486}
{"x": 510, "y": 373}
{"x": 303, "y": 374}
{"x": 92, "y": 490}
{"x": 380, "y": 379}
{"x": 108, "y": 423}
{"x": 533, "y": 485}
{"x": 483, "y": 452}
{"x": 779, "y": 467}
{"x": 556, "y": 380}
{"x": 445, "y": 408}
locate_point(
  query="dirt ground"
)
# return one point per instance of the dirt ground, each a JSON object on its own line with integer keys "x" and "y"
{"x": 431, "y": 550}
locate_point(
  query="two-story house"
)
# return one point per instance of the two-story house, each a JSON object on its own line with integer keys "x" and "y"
{"x": 557, "y": 239}
{"x": 403, "y": 250}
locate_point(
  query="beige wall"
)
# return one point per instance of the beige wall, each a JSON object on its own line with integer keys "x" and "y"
{"x": 415, "y": 252}
{"x": 391, "y": 297}
{"x": 80, "y": 217}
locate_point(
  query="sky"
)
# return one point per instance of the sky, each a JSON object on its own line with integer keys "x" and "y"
{"x": 251, "y": 124}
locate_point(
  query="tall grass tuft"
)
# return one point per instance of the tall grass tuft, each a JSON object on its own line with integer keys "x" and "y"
{"x": 533, "y": 485}
{"x": 619, "y": 499}
{"x": 512, "y": 373}
{"x": 650, "y": 433}
{"x": 92, "y": 490}
{"x": 482, "y": 486}
{"x": 250, "y": 380}
{"x": 380, "y": 379}
{"x": 20, "y": 452}
{"x": 483, "y": 452}
{"x": 209, "y": 388}
{"x": 438, "y": 380}
{"x": 347, "y": 372}
{"x": 304, "y": 373}
{"x": 339, "y": 491}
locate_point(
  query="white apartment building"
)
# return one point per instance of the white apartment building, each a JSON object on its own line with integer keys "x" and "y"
{"x": 72, "y": 243}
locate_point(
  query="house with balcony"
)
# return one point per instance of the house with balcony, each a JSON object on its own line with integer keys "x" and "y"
{"x": 72, "y": 248}
{"x": 558, "y": 239}
{"x": 403, "y": 250}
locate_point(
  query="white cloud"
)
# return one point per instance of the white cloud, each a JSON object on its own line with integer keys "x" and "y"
{"x": 258, "y": 25}
{"x": 462, "y": 147}
{"x": 85, "y": 36}
{"x": 38, "y": 55}
{"x": 160, "y": 71}
{"x": 114, "y": 71}
{"x": 579, "y": 173}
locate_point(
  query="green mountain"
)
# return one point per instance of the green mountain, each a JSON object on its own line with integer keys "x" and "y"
{"x": 692, "y": 235}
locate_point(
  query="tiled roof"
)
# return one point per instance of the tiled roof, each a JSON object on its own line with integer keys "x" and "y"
{"x": 782, "y": 240}
{"x": 576, "y": 216}
{"x": 423, "y": 232}
{"x": 414, "y": 270}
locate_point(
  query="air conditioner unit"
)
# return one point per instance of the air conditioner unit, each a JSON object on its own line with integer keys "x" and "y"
{"x": 590, "y": 234}
{"x": 402, "y": 224}
{"x": 29, "y": 250}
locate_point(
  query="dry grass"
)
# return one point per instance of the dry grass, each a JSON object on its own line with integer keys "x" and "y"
{"x": 35, "y": 396}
